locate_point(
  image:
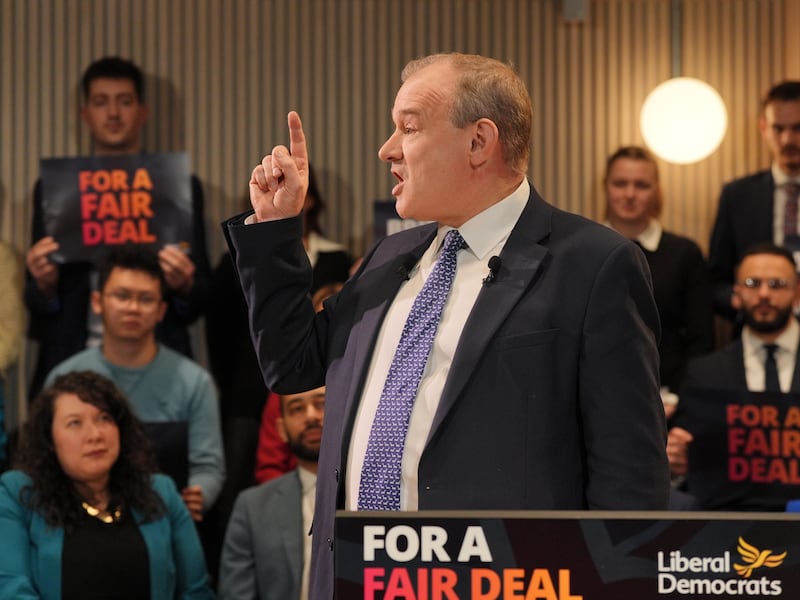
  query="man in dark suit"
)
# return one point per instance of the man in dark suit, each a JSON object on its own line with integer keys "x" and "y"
{"x": 541, "y": 390}
{"x": 766, "y": 292}
{"x": 266, "y": 549}
{"x": 57, "y": 295}
{"x": 752, "y": 209}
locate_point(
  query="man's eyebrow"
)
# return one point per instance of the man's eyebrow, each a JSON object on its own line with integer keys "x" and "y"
{"x": 409, "y": 112}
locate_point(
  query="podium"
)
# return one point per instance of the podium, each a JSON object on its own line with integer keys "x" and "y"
{"x": 575, "y": 555}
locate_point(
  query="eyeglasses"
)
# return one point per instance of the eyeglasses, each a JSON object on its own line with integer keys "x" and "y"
{"x": 754, "y": 283}
{"x": 125, "y": 297}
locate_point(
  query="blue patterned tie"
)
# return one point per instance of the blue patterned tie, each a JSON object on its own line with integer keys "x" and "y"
{"x": 380, "y": 476}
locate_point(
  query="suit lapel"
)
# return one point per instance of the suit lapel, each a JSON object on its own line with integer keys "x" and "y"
{"x": 796, "y": 375}
{"x": 764, "y": 201}
{"x": 521, "y": 260}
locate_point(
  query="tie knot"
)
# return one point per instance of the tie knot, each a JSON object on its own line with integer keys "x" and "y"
{"x": 453, "y": 242}
{"x": 771, "y": 349}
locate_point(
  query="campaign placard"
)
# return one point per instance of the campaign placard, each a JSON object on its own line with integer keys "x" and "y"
{"x": 92, "y": 203}
{"x": 746, "y": 448}
{"x": 581, "y": 555}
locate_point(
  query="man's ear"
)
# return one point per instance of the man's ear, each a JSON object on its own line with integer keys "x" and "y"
{"x": 144, "y": 113}
{"x": 162, "y": 309}
{"x": 736, "y": 300}
{"x": 762, "y": 124}
{"x": 97, "y": 302}
{"x": 280, "y": 425}
{"x": 485, "y": 141}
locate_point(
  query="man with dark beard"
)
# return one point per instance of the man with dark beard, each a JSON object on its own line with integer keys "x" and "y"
{"x": 766, "y": 292}
{"x": 267, "y": 546}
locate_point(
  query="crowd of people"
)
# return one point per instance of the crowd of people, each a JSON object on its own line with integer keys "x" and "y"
{"x": 507, "y": 355}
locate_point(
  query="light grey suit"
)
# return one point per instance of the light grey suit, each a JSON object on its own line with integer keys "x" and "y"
{"x": 262, "y": 556}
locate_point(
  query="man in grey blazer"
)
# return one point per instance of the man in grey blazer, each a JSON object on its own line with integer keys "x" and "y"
{"x": 541, "y": 387}
{"x": 267, "y": 549}
{"x": 752, "y": 209}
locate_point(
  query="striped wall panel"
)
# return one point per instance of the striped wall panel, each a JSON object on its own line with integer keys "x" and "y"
{"x": 223, "y": 73}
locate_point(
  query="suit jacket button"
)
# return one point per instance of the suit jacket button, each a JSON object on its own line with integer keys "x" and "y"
{"x": 336, "y": 473}
{"x": 330, "y": 544}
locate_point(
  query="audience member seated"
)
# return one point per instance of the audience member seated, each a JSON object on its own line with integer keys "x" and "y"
{"x": 57, "y": 295}
{"x": 267, "y": 545}
{"x": 162, "y": 385}
{"x": 84, "y": 516}
{"x": 12, "y": 317}
{"x": 763, "y": 359}
{"x": 681, "y": 284}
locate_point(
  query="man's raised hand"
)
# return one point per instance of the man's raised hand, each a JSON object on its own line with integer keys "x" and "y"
{"x": 279, "y": 184}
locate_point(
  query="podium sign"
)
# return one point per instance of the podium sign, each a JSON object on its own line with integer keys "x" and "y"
{"x": 581, "y": 555}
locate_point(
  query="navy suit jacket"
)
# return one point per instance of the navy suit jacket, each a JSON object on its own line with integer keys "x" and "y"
{"x": 552, "y": 397}
{"x": 744, "y": 218}
{"x": 262, "y": 556}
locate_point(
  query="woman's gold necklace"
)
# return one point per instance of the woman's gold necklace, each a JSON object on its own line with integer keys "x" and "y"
{"x": 102, "y": 515}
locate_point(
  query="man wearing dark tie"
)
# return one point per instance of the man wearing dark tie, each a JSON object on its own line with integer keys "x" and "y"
{"x": 761, "y": 207}
{"x": 765, "y": 357}
{"x": 502, "y": 357}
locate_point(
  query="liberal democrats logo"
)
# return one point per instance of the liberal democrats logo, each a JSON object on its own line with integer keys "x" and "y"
{"x": 755, "y": 558}
{"x": 714, "y": 575}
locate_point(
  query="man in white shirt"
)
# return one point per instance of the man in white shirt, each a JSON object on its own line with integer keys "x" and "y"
{"x": 537, "y": 386}
{"x": 766, "y": 292}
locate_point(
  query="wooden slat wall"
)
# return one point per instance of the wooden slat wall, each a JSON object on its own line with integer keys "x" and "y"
{"x": 223, "y": 73}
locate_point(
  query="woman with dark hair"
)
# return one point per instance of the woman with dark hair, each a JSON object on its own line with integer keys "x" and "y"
{"x": 681, "y": 284}
{"x": 84, "y": 516}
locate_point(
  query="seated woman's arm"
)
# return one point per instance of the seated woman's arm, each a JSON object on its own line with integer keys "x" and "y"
{"x": 16, "y": 580}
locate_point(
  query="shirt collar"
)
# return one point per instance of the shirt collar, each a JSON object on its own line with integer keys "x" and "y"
{"x": 308, "y": 480}
{"x": 487, "y": 229}
{"x": 780, "y": 177}
{"x": 650, "y": 238}
{"x": 786, "y": 341}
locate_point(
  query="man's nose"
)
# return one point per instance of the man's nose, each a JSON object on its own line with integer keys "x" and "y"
{"x": 390, "y": 151}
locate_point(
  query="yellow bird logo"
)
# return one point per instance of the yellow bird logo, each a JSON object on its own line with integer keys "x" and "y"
{"x": 755, "y": 559}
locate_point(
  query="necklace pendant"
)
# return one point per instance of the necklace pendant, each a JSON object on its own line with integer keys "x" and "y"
{"x": 102, "y": 515}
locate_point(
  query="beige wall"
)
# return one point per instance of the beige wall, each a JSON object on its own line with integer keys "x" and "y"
{"x": 223, "y": 74}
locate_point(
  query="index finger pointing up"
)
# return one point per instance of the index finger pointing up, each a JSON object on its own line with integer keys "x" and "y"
{"x": 297, "y": 138}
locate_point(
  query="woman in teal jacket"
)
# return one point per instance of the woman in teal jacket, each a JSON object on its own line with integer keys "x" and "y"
{"x": 84, "y": 517}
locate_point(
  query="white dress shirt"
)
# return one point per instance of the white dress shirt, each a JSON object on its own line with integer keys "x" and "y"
{"x": 308, "y": 483}
{"x": 785, "y": 357}
{"x": 486, "y": 235}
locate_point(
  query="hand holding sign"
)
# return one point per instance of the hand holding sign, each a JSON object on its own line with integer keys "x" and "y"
{"x": 178, "y": 269}
{"x": 278, "y": 185}
{"x": 43, "y": 270}
{"x": 678, "y": 450}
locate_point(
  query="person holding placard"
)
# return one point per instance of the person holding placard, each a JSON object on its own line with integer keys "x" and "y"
{"x": 57, "y": 293}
